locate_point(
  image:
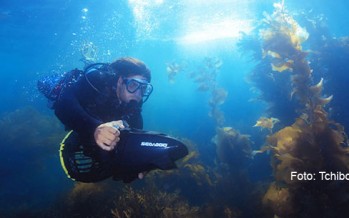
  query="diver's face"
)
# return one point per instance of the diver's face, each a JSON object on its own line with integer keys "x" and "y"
{"x": 133, "y": 88}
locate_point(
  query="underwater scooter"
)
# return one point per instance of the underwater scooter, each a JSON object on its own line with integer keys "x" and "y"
{"x": 137, "y": 151}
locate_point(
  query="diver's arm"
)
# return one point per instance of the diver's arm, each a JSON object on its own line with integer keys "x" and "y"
{"x": 71, "y": 113}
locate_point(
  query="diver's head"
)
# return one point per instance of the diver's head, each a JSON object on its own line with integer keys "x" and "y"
{"x": 125, "y": 67}
{"x": 133, "y": 80}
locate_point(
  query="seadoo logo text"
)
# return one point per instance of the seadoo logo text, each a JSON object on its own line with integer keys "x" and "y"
{"x": 157, "y": 144}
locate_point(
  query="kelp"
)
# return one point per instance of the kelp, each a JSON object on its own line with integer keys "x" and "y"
{"x": 268, "y": 84}
{"x": 197, "y": 179}
{"x": 172, "y": 70}
{"x": 313, "y": 143}
{"x": 27, "y": 128}
{"x": 232, "y": 148}
{"x": 308, "y": 148}
{"x": 31, "y": 135}
{"x": 267, "y": 123}
{"x": 280, "y": 200}
{"x": 150, "y": 202}
{"x": 205, "y": 79}
{"x": 91, "y": 199}
{"x": 233, "y": 187}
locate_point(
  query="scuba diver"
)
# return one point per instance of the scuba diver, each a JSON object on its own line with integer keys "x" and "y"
{"x": 102, "y": 107}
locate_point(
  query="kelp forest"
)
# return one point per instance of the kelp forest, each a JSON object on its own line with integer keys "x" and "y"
{"x": 300, "y": 73}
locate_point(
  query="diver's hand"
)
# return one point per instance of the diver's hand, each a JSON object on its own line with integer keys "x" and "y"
{"x": 107, "y": 134}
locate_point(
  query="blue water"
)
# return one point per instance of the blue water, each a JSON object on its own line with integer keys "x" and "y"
{"x": 41, "y": 37}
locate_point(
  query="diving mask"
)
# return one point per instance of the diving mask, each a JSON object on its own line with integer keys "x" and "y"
{"x": 132, "y": 85}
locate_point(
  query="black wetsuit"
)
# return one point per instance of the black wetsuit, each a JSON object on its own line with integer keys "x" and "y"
{"x": 82, "y": 107}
